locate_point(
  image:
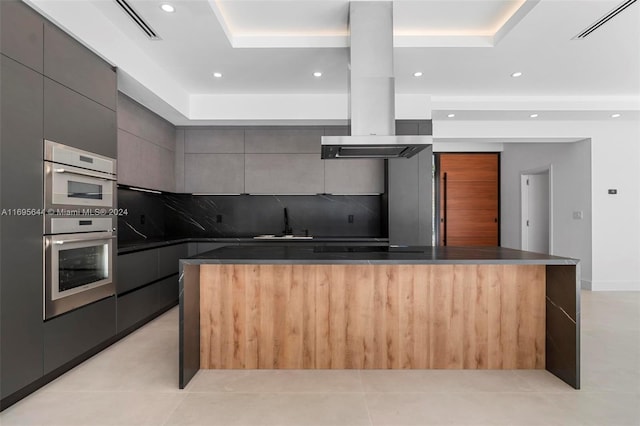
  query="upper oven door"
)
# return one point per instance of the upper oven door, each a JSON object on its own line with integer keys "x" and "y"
{"x": 68, "y": 187}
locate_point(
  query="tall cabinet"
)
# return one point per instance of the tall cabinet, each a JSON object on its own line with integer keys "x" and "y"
{"x": 52, "y": 88}
{"x": 21, "y": 186}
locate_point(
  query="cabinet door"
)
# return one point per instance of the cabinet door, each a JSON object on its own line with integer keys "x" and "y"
{"x": 71, "y": 335}
{"x": 168, "y": 258}
{"x": 73, "y": 65}
{"x": 214, "y": 173}
{"x": 214, "y": 141}
{"x": 284, "y": 141}
{"x": 21, "y": 236}
{"x": 21, "y": 33}
{"x": 136, "y": 269}
{"x": 72, "y": 119}
{"x": 284, "y": 174}
{"x": 352, "y": 177}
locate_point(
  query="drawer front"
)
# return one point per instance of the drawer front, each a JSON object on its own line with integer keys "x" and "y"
{"x": 141, "y": 304}
{"x": 168, "y": 258}
{"x": 136, "y": 270}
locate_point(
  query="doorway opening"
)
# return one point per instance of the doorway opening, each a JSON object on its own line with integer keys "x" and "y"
{"x": 536, "y": 187}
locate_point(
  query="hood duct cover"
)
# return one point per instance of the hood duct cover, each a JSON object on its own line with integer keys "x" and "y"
{"x": 372, "y": 92}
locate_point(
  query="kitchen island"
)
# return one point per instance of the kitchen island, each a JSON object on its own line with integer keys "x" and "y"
{"x": 379, "y": 307}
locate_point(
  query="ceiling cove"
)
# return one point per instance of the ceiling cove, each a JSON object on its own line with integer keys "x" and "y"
{"x": 323, "y": 24}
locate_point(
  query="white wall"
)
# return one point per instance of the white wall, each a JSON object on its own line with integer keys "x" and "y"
{"x": 615, "y": 164}
{"x": 570, "y": 165}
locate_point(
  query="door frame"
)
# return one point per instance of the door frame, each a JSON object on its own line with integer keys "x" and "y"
{"x": 524, "y": 204}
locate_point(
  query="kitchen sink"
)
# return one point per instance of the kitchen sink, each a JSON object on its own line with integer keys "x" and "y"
{"x": 282, "y": 237}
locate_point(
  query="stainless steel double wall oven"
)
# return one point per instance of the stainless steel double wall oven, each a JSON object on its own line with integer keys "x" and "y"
{"x": 79, "y": 228}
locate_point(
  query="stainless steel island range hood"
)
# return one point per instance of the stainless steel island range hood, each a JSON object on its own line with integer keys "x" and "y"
{"x": 372, "y": 93}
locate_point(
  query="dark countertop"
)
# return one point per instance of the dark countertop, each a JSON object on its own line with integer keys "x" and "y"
{"x": 124, "y": 248}
{"x": 304, "y": 254}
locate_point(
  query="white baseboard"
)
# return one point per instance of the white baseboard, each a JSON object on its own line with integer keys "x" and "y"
{"x": 610, "y": 285}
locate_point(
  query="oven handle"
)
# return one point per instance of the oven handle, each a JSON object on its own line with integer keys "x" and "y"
{"x": 84, "y": 173}
{"x": 77, "y": 240}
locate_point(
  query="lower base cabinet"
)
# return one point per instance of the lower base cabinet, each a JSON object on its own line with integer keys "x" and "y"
{"x": 71, "y": 335}
{"x": 139, "y": 305}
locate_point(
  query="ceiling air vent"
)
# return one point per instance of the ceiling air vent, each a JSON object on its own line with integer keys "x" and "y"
{"x": 146, "y": 28}
{"x": 606, "y": 18}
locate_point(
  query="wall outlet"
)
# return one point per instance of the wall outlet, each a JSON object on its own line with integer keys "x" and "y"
{"x": 350, "y": 218}
{"x": 578, "y": 215}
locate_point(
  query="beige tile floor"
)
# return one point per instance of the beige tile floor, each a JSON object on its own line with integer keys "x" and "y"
{"x": 134, "y": 382}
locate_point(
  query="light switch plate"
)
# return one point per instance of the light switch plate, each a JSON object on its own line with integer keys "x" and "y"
{"x": 578, "y": 215}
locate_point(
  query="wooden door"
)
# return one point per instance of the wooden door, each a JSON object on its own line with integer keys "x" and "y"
{"x": 468, "y": 199}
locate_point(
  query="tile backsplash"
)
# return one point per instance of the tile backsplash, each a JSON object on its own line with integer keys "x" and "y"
{"x": 153, "y": 216}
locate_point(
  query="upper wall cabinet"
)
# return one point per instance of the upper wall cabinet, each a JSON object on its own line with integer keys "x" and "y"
{"x": 73, "y": 65}
{"x": 21, "y": 33}
{"x": 146, "y": 147}
{"x": 214, "y": 141}
{"x": 284, "y": 174}
{"x": 139, "y": 121}
{"x": 73, "y": 119}
{"x": 283, "y": 141}
{"x": 361, "y": 176}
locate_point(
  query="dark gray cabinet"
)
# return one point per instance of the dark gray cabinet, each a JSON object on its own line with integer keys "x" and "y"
{"x": 73, "y": 119}
{"x": 136, "y": 269}
{"x": 168, "y": 258}
{"x": 147, "y": 283}
{"x": 283, "y": 141}
{"x": 21, "y": 33}
{"x": 71, "y": 335}
{"x": 21, "y": 236}
{"x": 73, "y": 65}
{"x": 144, "y": 303}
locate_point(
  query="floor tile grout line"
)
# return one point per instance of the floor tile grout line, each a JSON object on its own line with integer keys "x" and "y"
{"x": 184, "y": 397}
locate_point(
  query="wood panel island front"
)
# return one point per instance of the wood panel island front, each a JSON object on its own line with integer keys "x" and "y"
{"x": 342, "y": 307}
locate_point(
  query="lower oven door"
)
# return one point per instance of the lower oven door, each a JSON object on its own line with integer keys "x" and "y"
{"x": 78, "y": 270}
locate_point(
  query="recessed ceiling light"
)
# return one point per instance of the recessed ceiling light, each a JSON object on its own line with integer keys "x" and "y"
{"x": 317, "y": 74}
{"x": 451, "y": 115}
{"x": 616, "y": 115}
{"x": 168, "y": 8}
{"x": 516, "y": 74}
{"x": 533, "y": 115}
{"x": 217, "y": 74}
{"x": 417, "y": 74}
